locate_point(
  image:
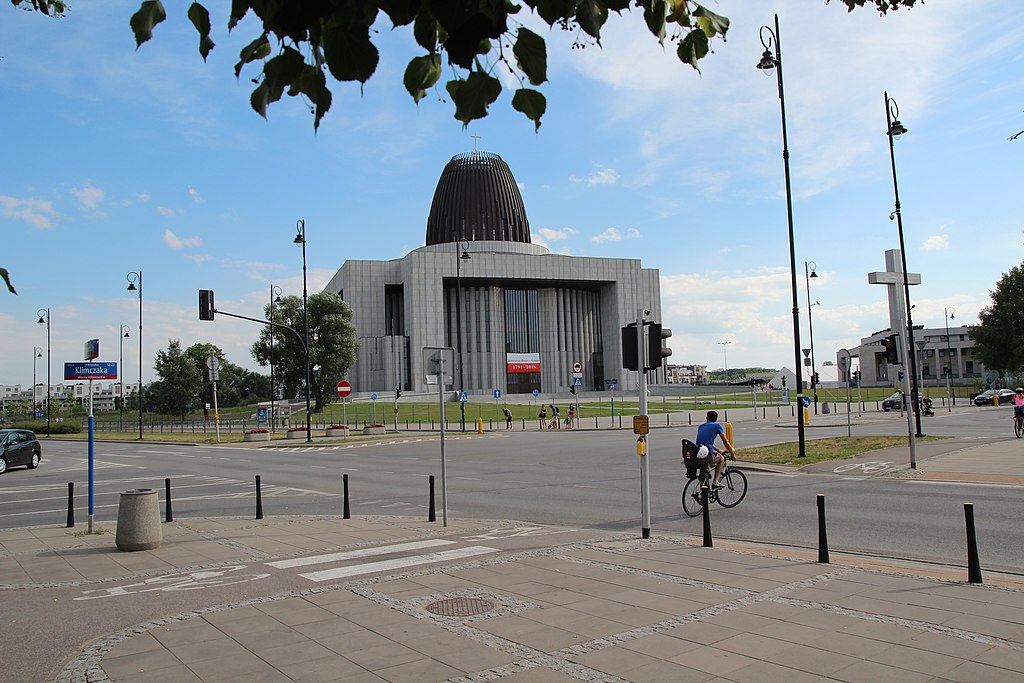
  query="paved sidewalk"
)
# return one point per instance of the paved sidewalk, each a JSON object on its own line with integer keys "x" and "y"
{"x": 506, "y": 601}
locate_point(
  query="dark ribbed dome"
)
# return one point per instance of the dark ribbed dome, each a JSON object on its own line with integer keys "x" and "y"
{"x": 477, "y": 199}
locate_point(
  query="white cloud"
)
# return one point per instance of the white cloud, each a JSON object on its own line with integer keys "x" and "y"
{"x": 552, "y": 235}
{"x": 38, "y": 213}
{"x": 604, "y": 176}
{"x": 936, "y": 243}
{"x": 89, "y": 196}
{"x": 195, "y": 195}
{"x": 615, "y": 235}
{"x": 142, "y": 196}
{"x": 175, "y": 242}
{"x": 166, "y": 211}
{"x": 200, "y": 258}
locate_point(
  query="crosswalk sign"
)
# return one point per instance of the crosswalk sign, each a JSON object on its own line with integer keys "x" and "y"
{"x": 577, "y": 381}
{"x": 463, "y": 397}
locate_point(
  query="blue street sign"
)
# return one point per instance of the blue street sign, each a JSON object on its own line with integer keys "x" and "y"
{"x": 577, "y": 381}
{"x": 536, "y": 393}
{"x": 805, "y": 401}
{"x": 75, "y": 371}
{"x": 497, "y": 393}
{"x": 463, "y": 397}
{"x": 373, "y": 397}
{"x": 40, "y": 413}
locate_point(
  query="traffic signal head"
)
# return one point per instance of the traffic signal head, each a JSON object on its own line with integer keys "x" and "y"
{"x": 655, "y": 351}
{"x": 629, "y": 348}
{"x": 891, "y": 355}
{"x": 398, "y": 394}
{"x": 206, "y": 307}
{"x": 572, "y": 389}
{"x": 783, "y": 381}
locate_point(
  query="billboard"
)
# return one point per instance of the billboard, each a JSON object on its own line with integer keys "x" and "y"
{"x": 519, "y": 363}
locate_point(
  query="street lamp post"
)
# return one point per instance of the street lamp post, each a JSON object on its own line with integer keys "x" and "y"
{"x": 275, "y": 296}
{"x": 300, "y": 238}
{"x": 120, "y": 374}
{"x": 725, "y": 351}
{"x": 768, "y": 62}
{"x": 948, "y": 313}
{"x": 135, "y": 285}
{"x": 846, "y": 363}
{"x": 464, "y": 246}
{"x": 810, "y": 273}
{"x": 44, "y": 317}
{"x": 36, "y": 353}
{"x": 895, "y": 129}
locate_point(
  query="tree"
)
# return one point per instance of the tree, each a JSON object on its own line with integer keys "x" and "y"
{"x": 997, "y": 339}
{"x": 332, "y": 345}
{"x": 235, "y": 385}
{"x": 180, "y": 382}
{"x": 301, "y": 42}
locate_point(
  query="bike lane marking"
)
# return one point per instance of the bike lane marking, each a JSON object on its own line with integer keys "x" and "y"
{"x": 357, "y": 554}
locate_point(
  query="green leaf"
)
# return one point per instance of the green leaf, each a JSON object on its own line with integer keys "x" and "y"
{"x": 553, "y": 10}
{"x": 281, "y": 71}
{"x": 712, "y": 24}
{"x": 531, "y": 55}
{"x": 350, "y": 54}
{"x": 532, "y": 104}
{"x": 313, "y": 84}
{"x": 425, "y": 31}
{"x": 7, "y": 280}
{"x": 200, "y": 18}
{"x": 654, "y": 15}
{"x": 238, "y": 11}
{"x": 401, "y": 12}
{"x": 150, "y": 13}
{"x": 693, "y": 48}
{"x": 257, "y": 49}
{"x": 473, "y": 95}
{"x": 421, "y": 74}
{"x": 591, "y": 16}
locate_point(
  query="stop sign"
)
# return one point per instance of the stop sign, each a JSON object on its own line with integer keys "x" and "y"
{"x": 344, "y": 388}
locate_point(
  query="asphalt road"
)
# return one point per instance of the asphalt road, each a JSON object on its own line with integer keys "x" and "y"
{"x": 587, "y": 479}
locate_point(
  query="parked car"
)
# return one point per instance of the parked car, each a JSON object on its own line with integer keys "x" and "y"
{"x": 985, "y": 397}
{"x": 894, "y": 402}
{"x": 19, "y": 447}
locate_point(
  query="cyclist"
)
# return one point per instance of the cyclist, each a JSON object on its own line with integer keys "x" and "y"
{"x": 1018, "y": 403}
{"x": 706, "y": 435}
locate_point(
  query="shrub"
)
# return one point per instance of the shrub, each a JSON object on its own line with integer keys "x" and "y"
{"x": 296, "y": 429}
{"x": 39, "y": 427}
{"x": 257, "y": 431}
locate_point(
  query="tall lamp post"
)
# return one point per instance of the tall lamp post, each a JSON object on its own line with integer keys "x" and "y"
{"x": 120, "y": 373}
{"x": 810, "y": 273}
{"x": 135, "y": 285}
{"x": 464, "y": 246}
{"x": 44, "y": 318}
{"x": 895, "y": 129}
{"x": 725, "y": 351}
{"x": 948, "y": 313}
{"x": 275, "y": 296}
{"x": 768, "y": 62}
{"x": 300, "y": 239}
{"x": 36, "y": 353}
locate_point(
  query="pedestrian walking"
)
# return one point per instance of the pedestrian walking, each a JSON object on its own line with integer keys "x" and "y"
{"x": 542, "y": 416}
{"x": 554, "y": 418}
{"x": 508, "y": 417}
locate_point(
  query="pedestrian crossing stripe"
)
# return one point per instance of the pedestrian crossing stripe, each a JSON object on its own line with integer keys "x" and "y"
{"x": 357, "y": 554}
{"x": 398, "y": 563}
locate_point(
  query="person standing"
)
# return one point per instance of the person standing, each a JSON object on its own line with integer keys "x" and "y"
{"x": 554, "y": 417}
{"x": 570, "y": 417}
{"x": 542, "y": 417}
{"x": 706, "y": 435}
{"x": 508, "y": 417}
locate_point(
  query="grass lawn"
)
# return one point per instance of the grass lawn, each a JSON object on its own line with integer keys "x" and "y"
{"x": 820, "y": 450}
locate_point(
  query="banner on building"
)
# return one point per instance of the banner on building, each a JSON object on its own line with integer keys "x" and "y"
{"x": 520, "y": 363}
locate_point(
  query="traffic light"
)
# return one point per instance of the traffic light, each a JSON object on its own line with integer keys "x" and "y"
{"x": 655, "y": 351}
{"x": 783, "y": 381}
{"x": 206, "y": 307}
{"x": 398, "y": 393}
{"x": 900, "y": 375}
{"x": 891, "y": 355}
{"x": 572, "y": 389}
{"x": 816, "y": 380}
{"x": 629, "y": 350}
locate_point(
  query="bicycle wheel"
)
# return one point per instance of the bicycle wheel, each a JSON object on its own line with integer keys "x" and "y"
{"x": 691, "y": 497}
{"x": 1018, "y": 427}
{"x": 734, "y": 488}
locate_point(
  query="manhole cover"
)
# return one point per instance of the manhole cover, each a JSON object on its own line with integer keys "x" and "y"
{"x": 460, "y": 607}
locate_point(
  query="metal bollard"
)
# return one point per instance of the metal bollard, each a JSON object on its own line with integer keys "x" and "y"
{"x": 168, "y": 514}
{"x": 706, "y": 512}
{"x": 346, "y": 513}
{"x": 973, "y": 564}
{"x": 822, "y": 535}
{"x": 71, "y": 504}
{"x": 431, "y": 514}
{"x": 259, "y": 499}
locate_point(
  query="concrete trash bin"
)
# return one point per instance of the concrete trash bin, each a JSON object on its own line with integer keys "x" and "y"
{"x": 138, "y": 520}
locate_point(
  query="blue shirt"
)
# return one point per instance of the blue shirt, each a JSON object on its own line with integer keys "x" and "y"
{"x": 707, "y": 433}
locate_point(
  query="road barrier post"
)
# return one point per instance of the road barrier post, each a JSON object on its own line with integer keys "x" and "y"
{"x": 973, "y": 564}
{"x": 346, "y": 513}
{"x": 431, "y": 515}
{"x": 704, "y": 496}
{"x": 822, "y": 534}
{"x": 168, "y": 514}
{"x": 259, "y": 499}
{"x": 71, "y": 504}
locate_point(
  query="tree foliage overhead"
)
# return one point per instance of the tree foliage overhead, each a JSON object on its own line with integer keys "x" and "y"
{"x": 332, "y": 346}
{"x": 302, "y": 41}
{"x": 997, "y": 339}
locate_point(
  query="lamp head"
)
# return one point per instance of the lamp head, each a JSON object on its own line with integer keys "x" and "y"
{"x": 299, "y": 239}
{"x": 39, "y": 354}
{"x": 767, "y": 62}
{"x": 41, "y": 321}
{"x": 896, "y": 129}
{"x": 131, "y": 287}
{"x": 814, "y": 274}
{"x": 892, "y": 216}
{"x": 126, "y": 335}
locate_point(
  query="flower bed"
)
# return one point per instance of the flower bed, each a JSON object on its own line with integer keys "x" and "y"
{"x": 296, "y": 433}
{"x": 337, "y": 430}
{"x": 373, "y": 430}
{"x": 256, "y": 435}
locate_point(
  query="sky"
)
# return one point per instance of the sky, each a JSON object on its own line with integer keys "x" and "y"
{"x": 117, "y": 160}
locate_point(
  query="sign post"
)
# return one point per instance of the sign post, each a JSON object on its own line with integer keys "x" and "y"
{"x": 344, "y": 389}
{"x": 437, "y": 359}
{"x": 89, "y": 372}
{"x": 214, "y": 366}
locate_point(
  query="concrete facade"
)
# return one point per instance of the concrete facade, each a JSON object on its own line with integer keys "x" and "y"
{"x": 935, "y": 351}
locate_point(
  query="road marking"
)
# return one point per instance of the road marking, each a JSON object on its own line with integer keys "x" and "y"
{"x": 773, "y": 474}
{"x": 398, "y": 563}
{"x": 181, "y": 581}
{"x": 963, "y": 483}
{"x": 357, "y": 554}
{"x": 159, "y": 452}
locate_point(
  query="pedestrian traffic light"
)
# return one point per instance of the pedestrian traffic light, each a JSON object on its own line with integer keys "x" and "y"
{"x": 655, "y": 351}
{"x": 572, "y": 389}
{"x": 206, "y": 307}
{"x": 629, "y": 349}
{"x": 817, "y": 380}
{"x": 891, "y": 354}
{"x": 398, "y": 393}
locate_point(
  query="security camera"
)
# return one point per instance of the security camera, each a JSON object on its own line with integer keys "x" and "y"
{"x": 892, "y": 216}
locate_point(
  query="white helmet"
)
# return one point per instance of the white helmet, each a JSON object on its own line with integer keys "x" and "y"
{"x": 702, "y": 452}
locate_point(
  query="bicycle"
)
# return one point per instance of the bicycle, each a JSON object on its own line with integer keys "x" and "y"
{"x": 1018, "y": 424}
{"x": 734, "y": 483}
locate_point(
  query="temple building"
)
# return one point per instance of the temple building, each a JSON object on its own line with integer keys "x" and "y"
{"x": 519, "y": 317}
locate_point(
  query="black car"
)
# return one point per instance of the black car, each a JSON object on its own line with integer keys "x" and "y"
{"x": 894, "y": 402}
{"x": 985, "y": 397}
{"x": 19, "y": 447}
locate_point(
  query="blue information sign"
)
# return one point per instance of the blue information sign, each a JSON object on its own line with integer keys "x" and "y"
{"x": 805, "y": 401}
{"x": 577, "y": 381}
{"x": 497, "y": 393}
{"x": 536, "y": 393}
{"x": 463, "y": 397}
{"x": 90, "y": 371}
{"x": 373, "y": 397}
